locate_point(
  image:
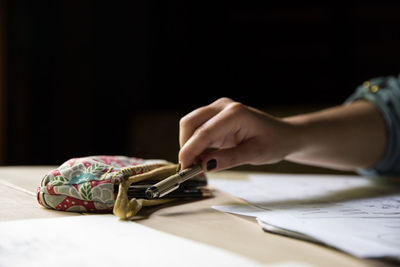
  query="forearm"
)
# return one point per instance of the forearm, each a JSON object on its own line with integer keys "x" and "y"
{"x": 344, "y": 137}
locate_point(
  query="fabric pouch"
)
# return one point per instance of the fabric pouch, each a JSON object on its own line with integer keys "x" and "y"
{"x": 88, "y": 184}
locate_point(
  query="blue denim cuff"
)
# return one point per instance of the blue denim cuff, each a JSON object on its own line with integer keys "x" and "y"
{"x": 384, "y": 92}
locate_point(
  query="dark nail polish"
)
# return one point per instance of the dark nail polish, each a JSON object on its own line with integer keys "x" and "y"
{"x": 211, "y": 164}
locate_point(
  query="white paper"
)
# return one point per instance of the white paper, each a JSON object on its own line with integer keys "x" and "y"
{"x": 103, "y": 240}
{"x": 365, "y": 238}
{"x": 357, "y": 215}
{"x": 272, "y": 191}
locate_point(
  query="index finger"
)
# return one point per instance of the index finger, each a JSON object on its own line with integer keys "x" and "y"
{"x": 189, "y": 123}
{"x": 223, "y": 124}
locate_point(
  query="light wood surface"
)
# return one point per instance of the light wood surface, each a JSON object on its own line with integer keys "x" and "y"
{"x": 194, "y": 220}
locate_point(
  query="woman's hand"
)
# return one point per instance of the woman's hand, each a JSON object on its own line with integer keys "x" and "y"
{"x": 344, "y": 137}
{"x": 237, "y": 133}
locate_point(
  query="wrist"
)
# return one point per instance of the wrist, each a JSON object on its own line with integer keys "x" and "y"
{"x": 297, "y": 134}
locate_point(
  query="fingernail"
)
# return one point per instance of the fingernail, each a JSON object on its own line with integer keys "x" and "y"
{"x": 211, "y": 164}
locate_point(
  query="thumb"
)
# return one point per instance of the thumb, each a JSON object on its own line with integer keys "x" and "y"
{"x": 229, "y": 157}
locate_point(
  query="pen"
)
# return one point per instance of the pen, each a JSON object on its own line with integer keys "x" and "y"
{"x": 172, "y": 183}
{"x": 179, "y": 193}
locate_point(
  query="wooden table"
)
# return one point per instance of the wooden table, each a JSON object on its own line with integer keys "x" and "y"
{"x": 192, "y": 220}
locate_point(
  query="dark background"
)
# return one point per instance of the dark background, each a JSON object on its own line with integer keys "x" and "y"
{"x": 114, "y": 77}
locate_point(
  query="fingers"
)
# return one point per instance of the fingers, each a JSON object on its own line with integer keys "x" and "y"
{"x": 240, "y": 134}
{"x": 189, "y": 123}
{"x": 193, "y": 120}
{"x": 244, "y": 153}
{"x": 214, "y": 131}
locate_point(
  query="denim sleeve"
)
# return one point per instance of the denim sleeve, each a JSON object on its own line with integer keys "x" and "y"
{"x": 384, "y": 92}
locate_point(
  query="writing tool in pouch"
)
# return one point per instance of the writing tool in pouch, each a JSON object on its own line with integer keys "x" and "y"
{"x": 179, "y": 193}
{"x": 172, "y": 182}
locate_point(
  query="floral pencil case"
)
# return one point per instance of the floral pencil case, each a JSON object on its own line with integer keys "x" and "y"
{"x": 88, "y": 184}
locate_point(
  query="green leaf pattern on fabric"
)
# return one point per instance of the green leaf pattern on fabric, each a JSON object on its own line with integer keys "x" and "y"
{"x": 86, "y": 191}
{"x": 58, "y": 180}
{"x": 94, "y": 168}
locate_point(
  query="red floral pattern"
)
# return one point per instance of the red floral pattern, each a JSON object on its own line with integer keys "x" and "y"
{"x": 87, "y": 184}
